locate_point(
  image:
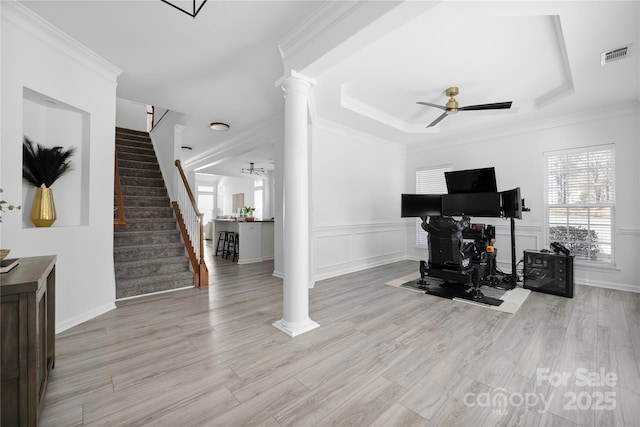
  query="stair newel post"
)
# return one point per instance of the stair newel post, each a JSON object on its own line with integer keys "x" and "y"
{"x": 204, "y": 273}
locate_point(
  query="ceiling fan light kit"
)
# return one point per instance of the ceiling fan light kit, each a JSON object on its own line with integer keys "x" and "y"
{"x": 253, "y": 170}
{"x": 452, "y": 106}
{"x": 194, "y": 9}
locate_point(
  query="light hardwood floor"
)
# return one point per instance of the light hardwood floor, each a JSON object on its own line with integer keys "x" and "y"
{"x": 382, "y": 356}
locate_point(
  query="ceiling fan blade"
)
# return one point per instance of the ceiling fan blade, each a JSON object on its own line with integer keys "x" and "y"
{"x": 428, "y": 104}
{"x": 495, "y": 106}
{"x": 438, "y": 120}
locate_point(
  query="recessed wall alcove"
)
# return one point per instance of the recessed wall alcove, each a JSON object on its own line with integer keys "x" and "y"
{"x": 51, "y": 122}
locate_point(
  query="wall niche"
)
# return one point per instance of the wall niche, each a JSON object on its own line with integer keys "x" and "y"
{"x": 50, "y": 122}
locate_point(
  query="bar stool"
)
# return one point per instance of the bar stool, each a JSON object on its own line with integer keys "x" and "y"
{"x": 232, "y": 246}
{"x": 223, "y": 237}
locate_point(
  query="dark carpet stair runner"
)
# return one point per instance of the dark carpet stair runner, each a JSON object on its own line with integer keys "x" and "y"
{"x": 148, "y": 252}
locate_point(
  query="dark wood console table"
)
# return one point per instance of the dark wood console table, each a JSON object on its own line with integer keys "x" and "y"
{"x": 27, "y": 301}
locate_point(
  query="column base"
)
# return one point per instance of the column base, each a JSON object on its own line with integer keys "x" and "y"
{"x": 295, "y": 329}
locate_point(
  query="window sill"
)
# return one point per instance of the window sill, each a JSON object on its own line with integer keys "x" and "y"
{"x": 596, "y": 267}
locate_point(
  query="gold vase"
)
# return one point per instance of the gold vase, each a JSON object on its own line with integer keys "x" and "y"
{"x": 43, "y": 212}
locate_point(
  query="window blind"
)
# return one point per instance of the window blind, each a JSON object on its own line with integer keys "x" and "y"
{"x": 429, "y": 181}
{"x": 580, "y": 201}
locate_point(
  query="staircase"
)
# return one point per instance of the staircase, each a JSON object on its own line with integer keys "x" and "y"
{"x": 148, "y": 252}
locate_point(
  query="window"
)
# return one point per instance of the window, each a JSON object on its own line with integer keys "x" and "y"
{"x": 580, "y": 201}
{"x": 429, "y": 181}
{"x": 206, "y": 202}
{"x": 257, "y": 197}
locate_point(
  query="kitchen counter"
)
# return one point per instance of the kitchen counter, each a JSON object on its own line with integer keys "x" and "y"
{"x": 255, "y": 238}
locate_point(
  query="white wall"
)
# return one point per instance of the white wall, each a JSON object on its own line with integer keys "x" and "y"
{"x": 356, "y": 182}
{"x": 167, "y": 140}
{"x": 518, "y": 160}
{"x": 36, "y": 56}
{"x": 131, "y": 115}
{"x": 233, "y": 185}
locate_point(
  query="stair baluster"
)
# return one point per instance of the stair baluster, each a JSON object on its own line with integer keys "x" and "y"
{"x": 190, "y": 220}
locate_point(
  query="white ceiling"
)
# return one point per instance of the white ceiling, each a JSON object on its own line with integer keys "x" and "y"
{"x": 223, "y": 65}
{"x": 543, "y": 56}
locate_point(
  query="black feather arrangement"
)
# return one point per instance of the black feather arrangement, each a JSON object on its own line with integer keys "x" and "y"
{"x": 42, "y": 165}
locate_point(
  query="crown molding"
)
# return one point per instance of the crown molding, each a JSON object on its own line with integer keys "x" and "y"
{"x": 336, "y": 25}
{"x": 321, "y": 21}
{"x": 27, "y": 20}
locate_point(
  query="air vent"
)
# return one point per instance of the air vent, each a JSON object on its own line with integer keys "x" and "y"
{"x": 614, "y": 55}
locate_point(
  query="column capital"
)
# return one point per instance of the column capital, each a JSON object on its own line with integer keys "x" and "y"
{"x": 294, "y": 76}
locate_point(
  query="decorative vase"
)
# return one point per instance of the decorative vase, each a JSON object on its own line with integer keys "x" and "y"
{"x": 43, "y": 212}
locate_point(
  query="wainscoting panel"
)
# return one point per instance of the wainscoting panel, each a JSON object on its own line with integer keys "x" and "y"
{"x": 367, "y": 245}
{"x": 345, "y": 249}
{"x": 332, "y": 251}
{"x": 395, "y": 241}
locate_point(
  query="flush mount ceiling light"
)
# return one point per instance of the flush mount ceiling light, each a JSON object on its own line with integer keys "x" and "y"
{"x": 253, "y": 170}
{"x": 190, "y": 7}
{"x": 219, "y": 127}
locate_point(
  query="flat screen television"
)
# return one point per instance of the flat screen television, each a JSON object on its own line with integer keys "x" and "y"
{"x": 472, "y": 204}
{"x": 419, "y": 205}
{"x": 512, "y": 203}
{"x": 471, "y": 181}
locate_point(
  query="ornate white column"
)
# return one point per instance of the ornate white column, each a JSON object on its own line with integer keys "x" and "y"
{"x": 295, "y": 317}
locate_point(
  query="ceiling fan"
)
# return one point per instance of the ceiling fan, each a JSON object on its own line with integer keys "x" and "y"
{"x": 253, "y": 170}
{"x": 452, "y": 106}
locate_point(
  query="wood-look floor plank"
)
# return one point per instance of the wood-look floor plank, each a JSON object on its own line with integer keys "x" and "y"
{"x": 382, "y": 356}
{"x": 263, "y": 406}
{"x": 542, "y": 351}
{"x": 575, "y": 358}
{"x": 611, "y": 311}
{"x": 398, "y": 415}
{"x": 364, "y": 406}
{"x": 442, "y": 376}
{"x": 626, "y": 411}
{"x": 618, "y": 360}
{"x": 461, "y": 410}
{"x": 519, "y": 404}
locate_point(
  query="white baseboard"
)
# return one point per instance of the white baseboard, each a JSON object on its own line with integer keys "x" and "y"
{"x": 155, "y": 293}
{"x": 608, "y": 285}
{"x": 67, "y": 324}
{"x": 253, "y": 260}
{"x": 355, "y": 268}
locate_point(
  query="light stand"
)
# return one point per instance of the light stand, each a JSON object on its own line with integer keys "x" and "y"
{"x": 514, "y": 277}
